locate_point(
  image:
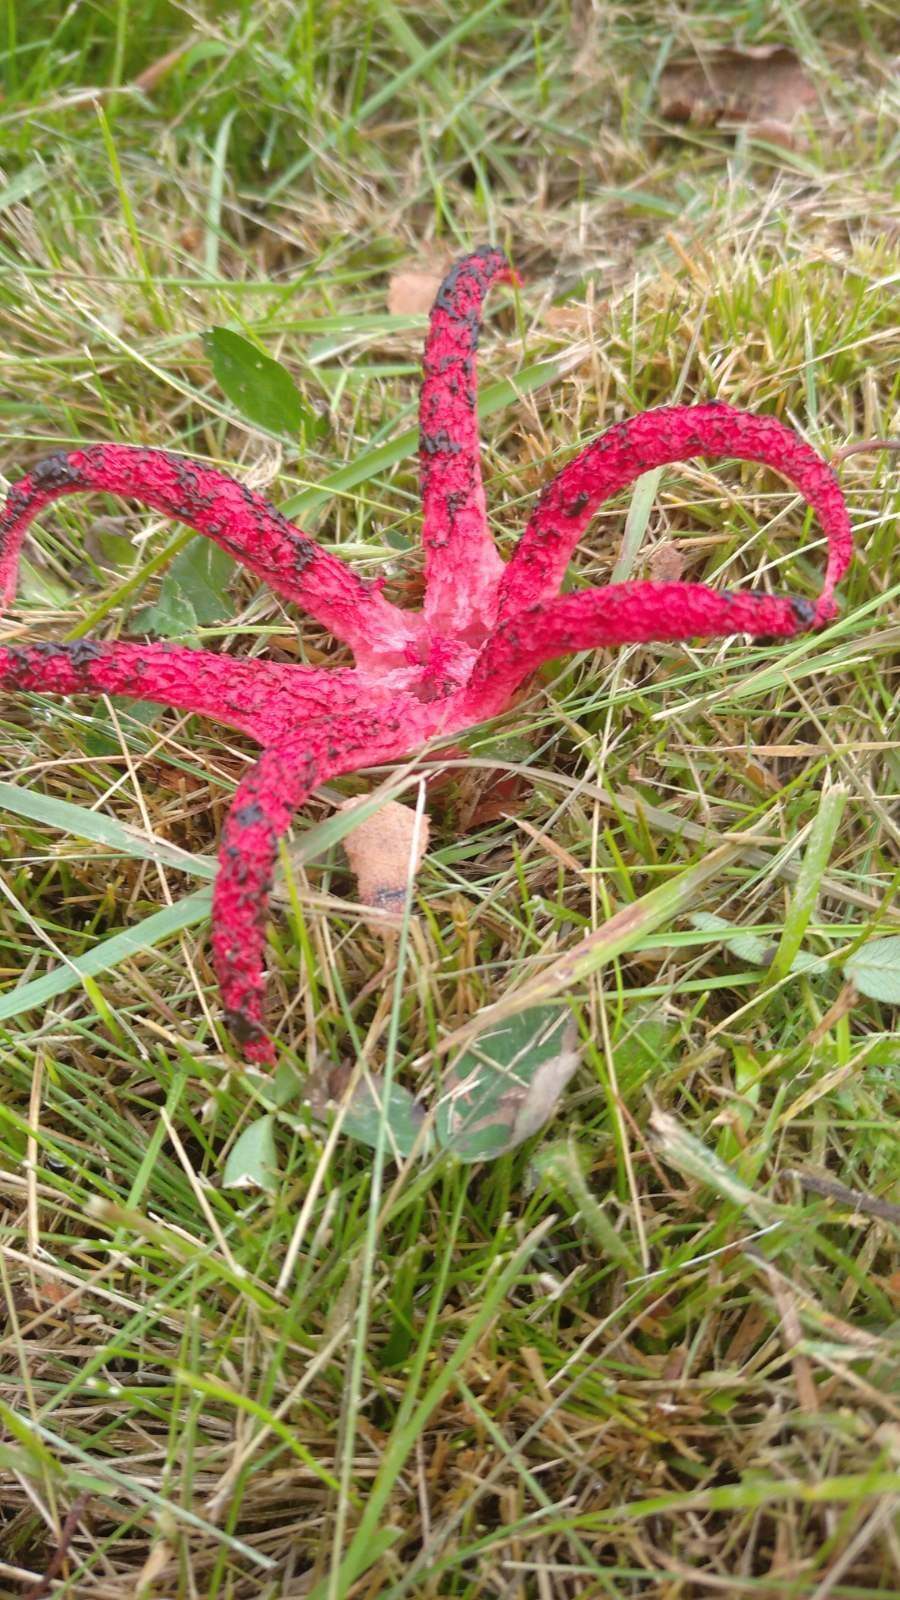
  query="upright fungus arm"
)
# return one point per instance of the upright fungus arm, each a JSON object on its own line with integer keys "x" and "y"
{"x": 261, "y": 811}
{"x": 621, "y": 613}
{"x": 653, "y": 439}
{"x": 262, "y": 698}
{"x": 242, "y": 522}
{"x": 462, "y": 566}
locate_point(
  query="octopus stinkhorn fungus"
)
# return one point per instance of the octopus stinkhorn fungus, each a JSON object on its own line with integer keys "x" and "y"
{"x": 485, "y": 625}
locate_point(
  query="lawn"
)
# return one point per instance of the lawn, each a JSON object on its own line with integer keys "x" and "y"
{"x": 651, "y": 1351}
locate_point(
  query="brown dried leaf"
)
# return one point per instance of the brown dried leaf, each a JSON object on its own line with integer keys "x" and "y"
{"x": 157, "y": 70}
{"x": 568, "y": 319}
{"x": 666, "y": 563}
{"x": 487, "y": 796}
{"x": 385, "y": 851}
{"x": 411, "y": 293}
{"x": 762, "y": 86}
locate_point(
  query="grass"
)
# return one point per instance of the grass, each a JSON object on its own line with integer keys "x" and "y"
{"x": 653, "y": 1352}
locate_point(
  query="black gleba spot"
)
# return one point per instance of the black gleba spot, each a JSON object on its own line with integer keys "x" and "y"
{"x": 54, "y": 472}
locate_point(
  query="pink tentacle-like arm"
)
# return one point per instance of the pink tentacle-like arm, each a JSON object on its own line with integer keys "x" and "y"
{"x": 261, "y": 811}
{"x": 653, "y": 439}
{"x": 623, "y": 613}
{"x": 462, "y": 567}
{"x": 242, "y": 522}
{"x": 265, "y": 699}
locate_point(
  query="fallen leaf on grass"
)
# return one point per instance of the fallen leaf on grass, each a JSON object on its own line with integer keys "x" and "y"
{"x": 508, "y": 1084}
{"x": 385, "y": 852}
{"x": 763, "y": 87}
{"x": 326, "y": 1092}
{"x": 666, "y": 563}
{"x": 487, "y": 796}
{"x": 568, "y": 319}
{"x": 252, "y": 1161}
{"x": 411, "y": 294}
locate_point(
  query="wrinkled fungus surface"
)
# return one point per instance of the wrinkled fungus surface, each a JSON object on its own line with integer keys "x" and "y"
{"x": 484, "y": 627}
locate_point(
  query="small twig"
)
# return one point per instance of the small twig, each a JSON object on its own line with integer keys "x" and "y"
{"x": 66, "y": 1536}
{"x": 863, "y": 447}
{"x": 855, "y": 1198}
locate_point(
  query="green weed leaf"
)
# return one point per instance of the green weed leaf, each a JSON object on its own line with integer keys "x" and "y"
{"x": 170, "y": 617}
{"x": 201, "y": 573}
{"x": 253, "y": 1160}
{"x": 258, "y": 387}
{"x": 507, "y": 1084}
{"x": 875, "y": 969}
{"x": 749, "y": 946}
{"x": 404, "y": 1116}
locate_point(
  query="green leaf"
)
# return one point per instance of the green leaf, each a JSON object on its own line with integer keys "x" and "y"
{"x": 258, "y": 387}
{"x": 507, "y": 1085}
{"x": 285, "y": 1085}
{"x": 253, "y": 1160}
{"x": 749, "y": 946}
{"x": 404, "y": 1114}
{"x": 101, "y": 738}
{"x": 25, "y": 183}
{"x": 194, "y": 591}
{"x": 645, "y": 1048}
{"x": 170, "y": 617}
{"x": 202, "y": 573}
{"x": 875, "y": 969}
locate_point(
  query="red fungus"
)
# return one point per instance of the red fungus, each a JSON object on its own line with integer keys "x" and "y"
{"x": 484, "y": 627}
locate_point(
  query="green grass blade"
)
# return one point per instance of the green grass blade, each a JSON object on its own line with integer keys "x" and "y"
{"x": 642, "y": 498}
{"x": 809, "y": 881}
{"x": 415, "y": 69}
{"x": 622, "y": 932}
{"x": 153, "y": 931}
{"x": 101, "y": 829}
{"x": 402, "y": 1441}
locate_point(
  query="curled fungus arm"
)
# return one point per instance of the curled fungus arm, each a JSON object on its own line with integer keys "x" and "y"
{"x": 262, "y": 698}
{"x": 622, "y": 613}
{"x": 654, "y": 439}
{"x": 238, "y": 519}
{"x": 260, "y": 813}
